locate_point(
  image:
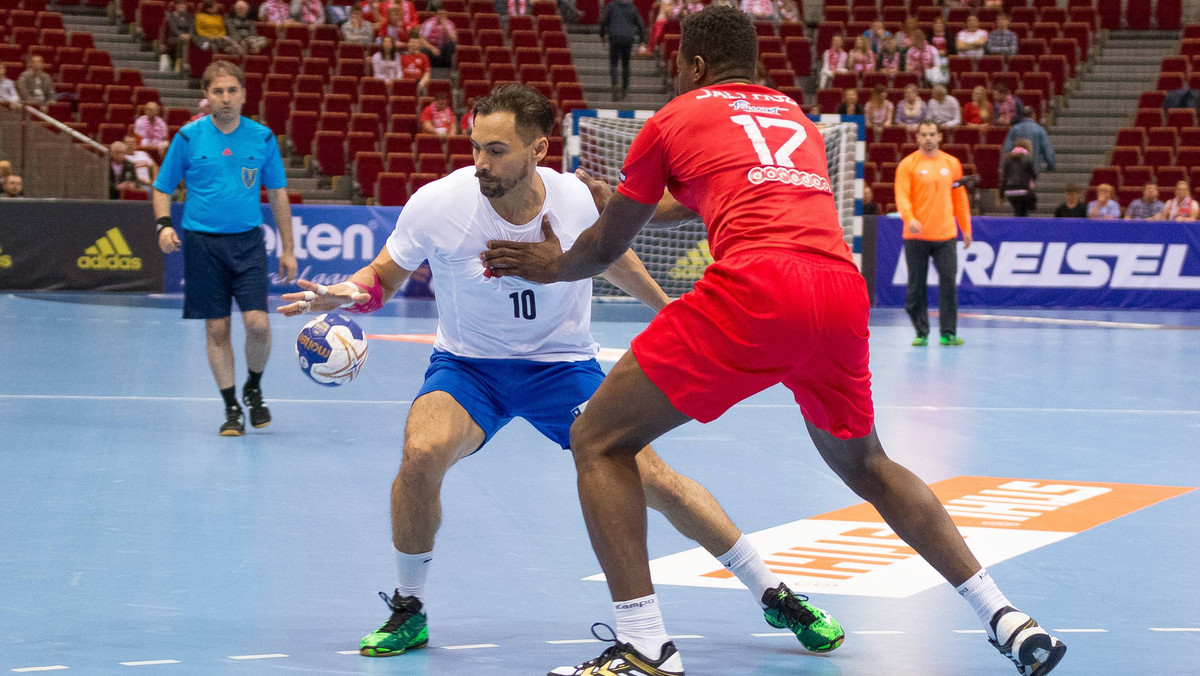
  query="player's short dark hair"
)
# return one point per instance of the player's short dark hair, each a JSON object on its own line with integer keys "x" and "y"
{"x": 219, "y": 68}
{"x": 533, "y": 112}
{"x": 724, "y": 37}
{"x": 929, "y": 123}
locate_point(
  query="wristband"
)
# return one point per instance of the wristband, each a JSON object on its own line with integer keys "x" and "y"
{"x": 164, "y": 222}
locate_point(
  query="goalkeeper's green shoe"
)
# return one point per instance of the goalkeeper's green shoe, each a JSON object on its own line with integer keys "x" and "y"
{"x": 950, "y": 339}
{"x": 405, "y": 630}
{"x": 920, "y": 341}
{"x": 816, "y": 629}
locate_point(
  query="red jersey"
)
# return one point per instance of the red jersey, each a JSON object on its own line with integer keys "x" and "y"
{"x": 443, "y": 120}
{"x": 414, "y": 66}
{"x": 748, "y": 161}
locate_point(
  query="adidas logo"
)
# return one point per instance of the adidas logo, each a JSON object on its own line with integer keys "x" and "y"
{"x": 692, "y": 265}
{"x": 111, "y": 252}
{"x": 5, "y": 260}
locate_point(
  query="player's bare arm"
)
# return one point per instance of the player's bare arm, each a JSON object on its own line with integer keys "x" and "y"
{"x": 629, "y": 275}
{"x": 597, "y": 248}
{"x": 281, "y": 209}
{"x": 320, "y": 298}
{"x": 669, "y": 213}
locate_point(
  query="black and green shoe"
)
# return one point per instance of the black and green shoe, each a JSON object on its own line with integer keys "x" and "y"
{"x": 950, "y": 339}
{"x": 816, "y": 629}
{"x": 405, "y": 630}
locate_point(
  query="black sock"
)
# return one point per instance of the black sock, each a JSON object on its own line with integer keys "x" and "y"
{"x": 229, "y": 394}
{"x": 252, "y": 380}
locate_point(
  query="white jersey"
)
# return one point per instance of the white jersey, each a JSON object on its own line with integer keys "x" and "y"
{"x": 450, "y": 223}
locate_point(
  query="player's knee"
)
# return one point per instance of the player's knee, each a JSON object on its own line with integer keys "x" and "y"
{"x": 258, "y": 326}
{"x": 217, "y": 330}
{"x": 426, "y": 457}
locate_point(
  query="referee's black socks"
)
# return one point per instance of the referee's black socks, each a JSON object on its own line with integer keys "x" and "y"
{"x": 252, "y": 380}
{"x": 230, "y": 397}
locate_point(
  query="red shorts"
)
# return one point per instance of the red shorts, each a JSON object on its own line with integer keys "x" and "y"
{"x": 763, "y": 317}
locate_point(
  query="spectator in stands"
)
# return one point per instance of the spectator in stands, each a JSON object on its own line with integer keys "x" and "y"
{"x": 1182, "y": 207}
{"x": 143, "y": 164}
{"x": 912, "y": 111}
{"x": 1043, "y": 150}
{"x": 307, "y": 12}
{"x": 1149, "y": 207}
{"x": 879, "y": 111}
{"x": 1018, "y": 179}
{"x": 5, "y": 170}
{"x": 943, "y": 109}
{"x": 891, "y": 57}
{"x": 569, "y": 11}
{"x": 834, "y": 60}
{"x": 759, "y": 10}
{"x": 761, "y": 76}
{"x": 414, "y": 65}
{"x": 937, "y": 37}
{"x": 8, "y": 88}
{"x": 1007, "y": 109}
{"x": 467, "y": 123}
{"x": 662, "y": 11}
{"x": 1073, "y": 206}
{"x": 177, "y": 32}
{"x": 122, "y": 175}
{"x": 375, "y": 12}
{"x": 621, "y": 27}
{"x": 788, "y": 11}
{"x": 356, "y": 29}
{"x": 240, "y": 26}
{"x": 211, "y": 33}
{"x": 869, "y": 207}
{"x": 1184, "y": 97}
{"x": 202, "y": 110}
{"x": 921, "y": 56}
{"x": 395, "y": 26}
{"x": 438, "y": 117}
{"x": 385, "y": 64}
{"x": 850, "y": 104}
{"x": 979, "y": 111}
{"x": 1104, "y": 206}
{"x": 972, "y": 39}
{"x": 518, "y": 7}
{"x": 441, "y": 39}
{"x": 1001, "y": 41}
{"x": 861, "y": 59}
{"x": 904, "y": 39}
{"x": 276, "y": 12}
{"x": 35, "y": 85}
{"x": 875, "y": 35}
{"x": 151, "y": 129}
{"x": 14, "y": 187}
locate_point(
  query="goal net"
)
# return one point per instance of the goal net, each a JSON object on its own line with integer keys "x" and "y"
{"x": 597, "y": 141}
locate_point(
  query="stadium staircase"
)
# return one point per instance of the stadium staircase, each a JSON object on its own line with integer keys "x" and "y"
{"x": 649, "y": 85}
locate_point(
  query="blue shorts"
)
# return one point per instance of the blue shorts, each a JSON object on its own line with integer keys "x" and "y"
{"x": 221, "y": 268}
{"x": 548, "y": 394}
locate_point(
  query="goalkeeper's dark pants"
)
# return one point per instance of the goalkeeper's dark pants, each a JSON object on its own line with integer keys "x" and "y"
{"x": 917, "y": 253}
{"x": 619, "y": 51}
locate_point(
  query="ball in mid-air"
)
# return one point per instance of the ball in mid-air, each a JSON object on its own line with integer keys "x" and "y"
{"x": 332, "y": 349}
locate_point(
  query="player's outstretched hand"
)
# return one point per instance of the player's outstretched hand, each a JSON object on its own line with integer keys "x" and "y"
{"x": 321, "y": 298}
{"x": 601, "y": 193}
{"x": 534, "y": 261}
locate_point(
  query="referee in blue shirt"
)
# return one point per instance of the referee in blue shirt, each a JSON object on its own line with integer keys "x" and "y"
{"x": 224, "y": 158}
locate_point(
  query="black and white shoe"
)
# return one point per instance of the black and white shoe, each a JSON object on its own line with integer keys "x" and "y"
{"x": 624, "y": 659}
{"x": 234, "y": 425}
{"x": 260, "y": 415}
{"x": 1019, "y": 638}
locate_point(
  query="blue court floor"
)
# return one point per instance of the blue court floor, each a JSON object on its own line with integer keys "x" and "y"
{"x": 134, "y": 540}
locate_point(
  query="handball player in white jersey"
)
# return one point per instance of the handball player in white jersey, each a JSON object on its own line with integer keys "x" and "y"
{"x": 508, "y": 348}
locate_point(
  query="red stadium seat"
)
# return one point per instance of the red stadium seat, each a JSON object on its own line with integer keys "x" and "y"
{"x": 1123, "y": 156}
{"x": 1189, "y": 137}
{"x": 1109, "y": 175}
{"x": 1170, "y": 175}
{"x": 1156, "y": 155}
{"x": 302, "y": 129}
{"x": 1181, "y": 117}
{"x": 987, "y": 162}
{"x": 1151, "y": 99}
{"x": 391, "y": 189}
{"x": 309, "y": 101}
{"x": 330, "y": 153}
{"x": 1132, "y": 136}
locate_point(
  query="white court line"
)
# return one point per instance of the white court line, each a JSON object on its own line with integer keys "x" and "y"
{"x": 148, "y": 663}
{"x": 969, "y": 631}
{"x": 1062, "y": 321}
{"x": 1080, "y": 631}
{"x": 53, "y": 667}
{"x": 679, "y": 636}
{"x": 1174, "y": 629}
{"x": 405, "y": 402}
{"x": 877, "y": 633}
{"x": 348, "y": 652}
{"x": 470, "y": 647}
{"x": 267, "y": 656}
{"x": 774, "y": 634}
{"x": 571, "y": 641}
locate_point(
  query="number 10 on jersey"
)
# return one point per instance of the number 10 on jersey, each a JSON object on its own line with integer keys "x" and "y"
{"x": 524, "y": 304}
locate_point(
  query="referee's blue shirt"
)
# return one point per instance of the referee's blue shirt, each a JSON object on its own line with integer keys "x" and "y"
{"x": 223, "y": 174}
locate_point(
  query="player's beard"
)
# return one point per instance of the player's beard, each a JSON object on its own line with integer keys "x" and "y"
{"x": 499, "y": 188}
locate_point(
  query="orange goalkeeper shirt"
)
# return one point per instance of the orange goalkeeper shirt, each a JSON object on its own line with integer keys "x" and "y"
{"x": 924, "y": 194}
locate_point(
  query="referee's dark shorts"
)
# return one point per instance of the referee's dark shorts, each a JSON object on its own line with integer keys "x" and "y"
{"x": 218, "y": 269}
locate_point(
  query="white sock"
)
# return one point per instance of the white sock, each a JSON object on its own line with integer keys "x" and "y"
{"x": 640, "y": 623}
{"x": 744, "y": 561}
{"x": 411, "y": 571}
{"x": 984, "y": 596}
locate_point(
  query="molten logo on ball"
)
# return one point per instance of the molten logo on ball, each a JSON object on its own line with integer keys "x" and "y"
{"x": 331, "y": 349}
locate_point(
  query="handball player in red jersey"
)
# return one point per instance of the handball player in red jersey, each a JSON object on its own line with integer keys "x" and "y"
{"x": 782, "y": 303}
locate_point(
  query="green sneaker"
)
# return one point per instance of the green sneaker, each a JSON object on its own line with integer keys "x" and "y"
{"x": 950, "y": 339}
{"x": 816, "y": 629}
{"x": 920, "y": 341}
{"x": 405, "y": 630}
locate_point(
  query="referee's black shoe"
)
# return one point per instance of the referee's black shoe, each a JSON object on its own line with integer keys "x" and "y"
{"x": 260, "y": 415}
{"x": 234, "y": 425}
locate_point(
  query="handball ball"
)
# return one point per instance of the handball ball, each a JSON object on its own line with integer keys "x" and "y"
{"x": 331, "y": 349}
